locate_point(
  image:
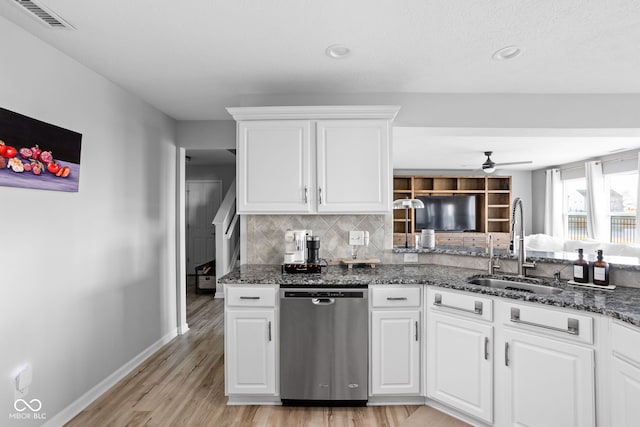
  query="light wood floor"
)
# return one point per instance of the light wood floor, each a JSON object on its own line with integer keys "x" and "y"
{"x": 182, "y": 384}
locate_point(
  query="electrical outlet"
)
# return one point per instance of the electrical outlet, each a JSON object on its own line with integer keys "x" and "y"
{"x": 23, "y": 380}
{"x": 356, "y": 238}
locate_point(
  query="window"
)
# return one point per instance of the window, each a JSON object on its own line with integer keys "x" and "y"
{"x": 623, "y": 193}
{"x": 575, "y": 208}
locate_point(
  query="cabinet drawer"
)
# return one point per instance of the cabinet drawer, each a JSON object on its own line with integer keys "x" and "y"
{"x": 468, "y": 305}
{"x": 251, "y": 296}
{"x": 477, "y": 242}
{"x": 625, "y": 341}
{"x": 395, "y": 297}
{"x": 558, "y": 323}
{"x": 449, "y": 240}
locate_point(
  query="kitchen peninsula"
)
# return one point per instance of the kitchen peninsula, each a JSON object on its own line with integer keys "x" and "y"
{"x": 472, "y": 349}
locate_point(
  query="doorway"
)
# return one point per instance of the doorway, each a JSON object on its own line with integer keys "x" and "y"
{"x": 203, "y": 199}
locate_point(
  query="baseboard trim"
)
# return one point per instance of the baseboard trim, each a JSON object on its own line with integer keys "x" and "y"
{"x": 65, "y": 415}
{"x": 396, "y": 400}
{"x": 183, "y": 329}
{"x": 253, "y": 400}
{"x": 456, "y": 414}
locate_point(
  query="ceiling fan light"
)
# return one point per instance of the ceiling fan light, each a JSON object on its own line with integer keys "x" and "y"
{"x": 490, "y": 169}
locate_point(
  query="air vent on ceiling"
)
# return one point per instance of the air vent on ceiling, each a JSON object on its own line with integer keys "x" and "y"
{"x": 44, "y": 15}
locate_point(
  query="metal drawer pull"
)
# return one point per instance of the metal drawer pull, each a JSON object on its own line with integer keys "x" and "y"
{"x": 477, "y": 309}
{"x": 506, "y": 354}
{"x": 396, "y": 298}
{"x": 269, "y": 330}
{"x": 486, "y": 348}
{"x": 320, "y": 194}
{"x": 249, "y": 297}
{"x": 306, "y": 193}
{"x": 416, "y": 330}
{"x": 573, "y": 325}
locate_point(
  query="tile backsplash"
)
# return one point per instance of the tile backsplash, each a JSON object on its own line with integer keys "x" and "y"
{"x": 266, "y": 245}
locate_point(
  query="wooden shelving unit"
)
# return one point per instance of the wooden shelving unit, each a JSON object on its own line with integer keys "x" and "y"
{"x": 492, "y": 210}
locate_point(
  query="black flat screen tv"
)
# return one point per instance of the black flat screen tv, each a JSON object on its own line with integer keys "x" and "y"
{"x": 447, "y": 213}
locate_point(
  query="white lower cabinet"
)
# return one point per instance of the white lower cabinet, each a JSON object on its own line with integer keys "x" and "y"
{"x": 460, "y": 364}
{"x": 625, "y": 376}
{"x": 548, "y": 380}
{"x": 625, "y": 393}
{"x": 460, "y": 352}
{"x": 250, "y": 340}
{"x": 395, "y": 341}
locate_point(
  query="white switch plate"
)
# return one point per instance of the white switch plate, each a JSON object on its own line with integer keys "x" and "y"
{"x": 411, "y": 257}
{"x": 356, "y": 237}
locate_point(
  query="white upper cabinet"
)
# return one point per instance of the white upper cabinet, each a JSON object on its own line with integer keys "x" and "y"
{"x": 354, "y": 166}
{"x": 274, "y": 166}
{"x": 314, "y": 159}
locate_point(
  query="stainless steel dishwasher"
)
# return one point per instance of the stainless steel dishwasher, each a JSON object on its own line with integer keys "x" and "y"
{"x": 323, "y": 346}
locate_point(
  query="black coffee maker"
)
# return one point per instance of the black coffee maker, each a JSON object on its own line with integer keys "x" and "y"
{"x": 313, "y": 249}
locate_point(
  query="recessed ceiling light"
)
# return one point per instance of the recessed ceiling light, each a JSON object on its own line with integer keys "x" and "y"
{"x": 337, "y": 51}
{"x": 508, "y": 52}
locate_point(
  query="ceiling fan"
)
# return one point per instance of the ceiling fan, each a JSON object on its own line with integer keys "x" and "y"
{"x": 489, "y": 166}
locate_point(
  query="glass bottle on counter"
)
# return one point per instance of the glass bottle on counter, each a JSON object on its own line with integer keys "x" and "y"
{"x": 581, "y": 268}
{"x": 600, "y": 271}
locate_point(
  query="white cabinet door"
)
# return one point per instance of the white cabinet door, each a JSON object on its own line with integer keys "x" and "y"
{"x": 395, "y": 352}
{"x": 548, "y": 382}
{"x": 274, "y": 166}
{"x": 460, "y": 364}
{"x": 625, "y": 393}
{"x": 353, "y": 166}
{"x": 250, "y": 356}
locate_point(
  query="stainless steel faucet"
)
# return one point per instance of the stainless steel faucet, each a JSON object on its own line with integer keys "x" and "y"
{"x": 522, "y": 255}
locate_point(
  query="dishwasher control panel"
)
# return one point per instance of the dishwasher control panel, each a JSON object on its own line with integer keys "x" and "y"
{"x": 323, "y": 294}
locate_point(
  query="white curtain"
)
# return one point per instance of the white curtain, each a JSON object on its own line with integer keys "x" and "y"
{"x": 638, "y": 205}
{"x": 553, "y": 222}
{"x": 597, "y": 202}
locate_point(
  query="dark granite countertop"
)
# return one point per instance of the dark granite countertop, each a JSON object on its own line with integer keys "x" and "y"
{"x": 619, "y": 262}
{"x": 622, "y": 303}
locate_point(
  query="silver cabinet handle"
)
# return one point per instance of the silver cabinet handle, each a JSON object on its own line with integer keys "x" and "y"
{"x": 486, "y": 348}
{"x": 416, "y": 330}
{"x": 269, "y": 330}
{"x": 506, "y": 354}
{"x": 396, "y": 298}
{"x": 320, "y": 194}
{"x": 477, "y": 309}
{"x": 573, "y": 325}
{"x": 249, "y": 297}
{"x": 323, "y": 301}
{"x": 306, "y": 194}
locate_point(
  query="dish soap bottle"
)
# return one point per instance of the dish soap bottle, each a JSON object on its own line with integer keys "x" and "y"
{"x": 600, "y": 271}
{"x": 581, "y": 268}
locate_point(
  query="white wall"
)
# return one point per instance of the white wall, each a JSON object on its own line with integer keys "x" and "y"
{"x": 481, "y": 110}
{"x": 87, "y": 279}
{"x": 204, "y": 134}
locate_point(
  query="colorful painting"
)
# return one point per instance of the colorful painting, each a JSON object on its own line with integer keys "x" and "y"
{"x": 35, "y": 154}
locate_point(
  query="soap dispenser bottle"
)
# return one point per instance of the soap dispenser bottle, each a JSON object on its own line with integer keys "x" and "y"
{"x": 581, "y": 268}
{"x": 600, "y": 271}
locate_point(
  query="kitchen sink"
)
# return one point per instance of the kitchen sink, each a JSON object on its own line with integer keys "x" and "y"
{"x": 534, "y": 288}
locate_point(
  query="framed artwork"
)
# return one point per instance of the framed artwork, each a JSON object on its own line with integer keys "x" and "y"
{"x": 35, "y": 154}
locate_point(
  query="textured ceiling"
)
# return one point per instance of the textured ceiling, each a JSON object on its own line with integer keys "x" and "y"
{"x": 191, "y": 59}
